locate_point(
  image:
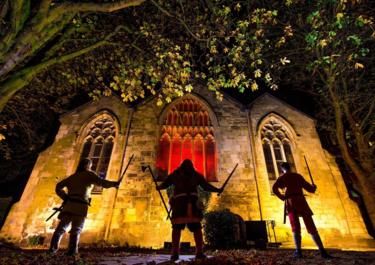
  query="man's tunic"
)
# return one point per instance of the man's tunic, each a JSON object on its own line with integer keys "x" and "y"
{"x": 79, "y": 187}
{"x": 295, "y": 200}
{"x": 184, "y": 202}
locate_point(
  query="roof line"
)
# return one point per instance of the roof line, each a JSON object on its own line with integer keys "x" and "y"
{"x": 250, "y": 105}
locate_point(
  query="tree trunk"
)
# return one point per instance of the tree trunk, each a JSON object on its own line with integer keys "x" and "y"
{"x": 368, "y": 194}
{"x": 365, "y": 184}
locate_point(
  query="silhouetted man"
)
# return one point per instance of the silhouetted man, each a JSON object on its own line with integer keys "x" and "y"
{"x": 76, "y": 203}
{"x": 184, "y": 203}
{"x": 296, "y": 206}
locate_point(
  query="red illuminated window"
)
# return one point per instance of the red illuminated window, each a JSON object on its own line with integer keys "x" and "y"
{"x": 187, "y": 133}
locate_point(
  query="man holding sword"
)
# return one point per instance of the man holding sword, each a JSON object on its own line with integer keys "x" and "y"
{"x": 296, "y": 206}
{"x": 76, "y": 202}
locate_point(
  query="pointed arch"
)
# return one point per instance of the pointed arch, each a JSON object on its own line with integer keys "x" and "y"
{"x": 97, "y": 139}
{"x": 198, "y": 103}
{"x": 289, "y": 130}
{"x": 192, "y": 137}
{"x": 82, "y": 133}
{"x": 277, "y": 137}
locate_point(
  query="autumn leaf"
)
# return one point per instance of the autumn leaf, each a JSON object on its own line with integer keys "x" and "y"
{"x": 358, "y": 66}
{"x": 257, "y": 73}
{"x": 284, "y": 61}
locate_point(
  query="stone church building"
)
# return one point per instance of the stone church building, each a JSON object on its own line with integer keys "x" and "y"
{"x": 215, "y": 135}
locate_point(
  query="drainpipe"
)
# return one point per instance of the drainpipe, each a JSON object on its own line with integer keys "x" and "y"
{"x": 120, "y": 173}
{"x": 251, "y": 140}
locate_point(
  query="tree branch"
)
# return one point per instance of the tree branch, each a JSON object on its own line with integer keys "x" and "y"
{"x": 44, "y": 6}
{"x": 369, "y": 114}
{"x": 183, "y": 23}
{"x": 30, "y": 42}
{"x": 24, "y": 76}
{"x": 60, "y": 42}
{"x": 4, "y": 8}
{"x": 99, "y": 7}
{"x": 20, "y": 10}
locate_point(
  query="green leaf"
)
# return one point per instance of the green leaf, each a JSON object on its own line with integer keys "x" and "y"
{"x": 311, "y": 38}
{"x": 310, "y": 18}
{"x": 332, "y": 33}
{"x": 364, "y": 51}
{"x": 354, "y": 39}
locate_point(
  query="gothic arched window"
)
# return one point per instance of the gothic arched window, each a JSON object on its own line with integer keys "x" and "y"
{"x": 276, "y": 148}
{"x": 187, "y": 133}
{"x": 98, "y": 145}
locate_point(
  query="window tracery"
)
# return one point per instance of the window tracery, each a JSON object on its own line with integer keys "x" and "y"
{"x": 277, "y": 148}
{"x": 187, "y": 133}
{"x": 98, "y": 145}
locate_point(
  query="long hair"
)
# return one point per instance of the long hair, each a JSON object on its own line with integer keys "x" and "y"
{"x": 84, "y": 165}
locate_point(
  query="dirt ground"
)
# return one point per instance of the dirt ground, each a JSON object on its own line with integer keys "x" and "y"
{"x": 10, "y": 256}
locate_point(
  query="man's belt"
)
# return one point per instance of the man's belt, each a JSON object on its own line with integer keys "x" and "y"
{"x": 185, "y": 194}
{"x": 288, "y": 196}
{"x": 78, "y": 200}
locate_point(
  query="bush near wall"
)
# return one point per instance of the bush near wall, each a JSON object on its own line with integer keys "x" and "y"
{"x": 222, "y": 229}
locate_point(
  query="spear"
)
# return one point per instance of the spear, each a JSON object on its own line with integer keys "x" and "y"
{"x": 144, "y": 168}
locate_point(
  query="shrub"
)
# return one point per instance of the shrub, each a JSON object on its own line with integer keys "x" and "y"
{"x": 221, "y": 229}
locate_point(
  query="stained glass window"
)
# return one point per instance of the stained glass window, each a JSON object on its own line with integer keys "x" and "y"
{"x": 187, "y": 133}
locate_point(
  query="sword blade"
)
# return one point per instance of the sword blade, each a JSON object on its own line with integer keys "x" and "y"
{"x": 230, "y": 175}
{"x": 308, "y": 169}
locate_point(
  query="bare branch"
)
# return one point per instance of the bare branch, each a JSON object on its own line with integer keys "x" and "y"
{"x": 369, "y": 114}
{"x": 182, "y": 22}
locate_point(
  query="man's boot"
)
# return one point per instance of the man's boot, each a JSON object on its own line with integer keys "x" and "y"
{"x": 55, "y": 241}
{"x": 319, "y": 244}
{"x": 73, "y": 244}
{"x": 297, "y": 241}
{"x": 198, "y": 238}
{"x": 176, "y": 234}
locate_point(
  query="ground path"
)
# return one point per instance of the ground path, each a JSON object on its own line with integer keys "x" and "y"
{"x": 99, "y": 256}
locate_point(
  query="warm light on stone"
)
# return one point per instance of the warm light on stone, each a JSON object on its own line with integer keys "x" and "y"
{"x": 137, "y": 216}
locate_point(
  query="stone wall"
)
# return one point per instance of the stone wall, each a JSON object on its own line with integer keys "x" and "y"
{"x": 27, "y": 217}
{"x": 134, "y": 214}
{"x": 139, "y": 217}
{"x": 335, "y": 215}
